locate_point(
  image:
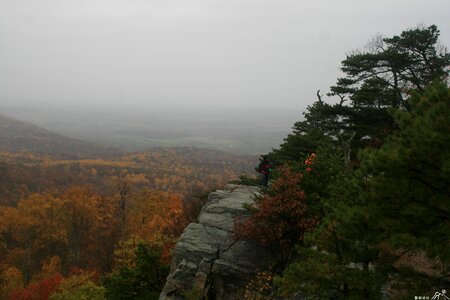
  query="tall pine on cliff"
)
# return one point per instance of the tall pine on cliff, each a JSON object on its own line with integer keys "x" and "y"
{"x": 377, "y": 79}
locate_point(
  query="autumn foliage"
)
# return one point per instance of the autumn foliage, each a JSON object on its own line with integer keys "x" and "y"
{"x": 183, "y": 171}
{"x": 280, "y": 218}
{"x": 60, "y": 215}
{"x": 39, "y": 290}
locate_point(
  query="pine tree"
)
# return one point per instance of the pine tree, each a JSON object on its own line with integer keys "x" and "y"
{"x": 377, "y": 79}
{"x": 144, "y": 281}
{"x": 386, "y": 224}
{"x": 409, "y": 189}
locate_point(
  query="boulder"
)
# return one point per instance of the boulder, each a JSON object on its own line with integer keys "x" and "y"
{"x": 206, "y": 261}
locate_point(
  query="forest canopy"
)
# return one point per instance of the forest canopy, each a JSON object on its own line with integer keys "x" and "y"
{"x": 90, "y": 228}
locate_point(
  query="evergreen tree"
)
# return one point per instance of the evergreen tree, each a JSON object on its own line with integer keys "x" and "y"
{"x": 143, "y": 281}
{"x": 380, "y": 78}
{"x": 385, "y": 225}
{"x": 409, "y": 189}
{"x": 383, "y": 76}
{"x": 308, "y": 135}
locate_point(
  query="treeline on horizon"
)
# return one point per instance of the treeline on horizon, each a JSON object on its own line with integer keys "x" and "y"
{"x": 359, "y": 204}
{"x": 100, "y": 227}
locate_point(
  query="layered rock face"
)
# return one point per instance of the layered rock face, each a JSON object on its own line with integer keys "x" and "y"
{"x": 207, "y": 262}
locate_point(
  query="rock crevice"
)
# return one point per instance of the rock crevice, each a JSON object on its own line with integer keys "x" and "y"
{"x": 207, "y": 262}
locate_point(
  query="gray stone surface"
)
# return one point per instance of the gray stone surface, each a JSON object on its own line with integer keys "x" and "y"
{"x": 206, "y": 260}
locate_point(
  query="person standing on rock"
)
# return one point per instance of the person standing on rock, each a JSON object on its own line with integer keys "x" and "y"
{"x": 264, "y": 169}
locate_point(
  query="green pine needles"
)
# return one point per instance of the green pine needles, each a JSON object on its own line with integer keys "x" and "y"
{"x": 380, "y": 180}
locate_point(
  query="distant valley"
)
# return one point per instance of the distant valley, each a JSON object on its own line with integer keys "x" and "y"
{"x": 34, "y": 159}
{"x": 231, "y": 130}
{"x": 62, "y": 195}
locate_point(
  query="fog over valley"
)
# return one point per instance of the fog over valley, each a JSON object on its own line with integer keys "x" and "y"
{"x": 230, "y": 75}
{"x": 246, "y": 131}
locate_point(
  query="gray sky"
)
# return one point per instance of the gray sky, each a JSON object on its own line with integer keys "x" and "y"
{"x": 179, "y": 53}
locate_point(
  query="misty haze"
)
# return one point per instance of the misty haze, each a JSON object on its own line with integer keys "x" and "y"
{"x": 254, "y": 131}
{"x": 229, "y": 75}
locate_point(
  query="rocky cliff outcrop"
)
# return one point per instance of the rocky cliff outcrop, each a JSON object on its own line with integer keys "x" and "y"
{"x": 207, "y": 262}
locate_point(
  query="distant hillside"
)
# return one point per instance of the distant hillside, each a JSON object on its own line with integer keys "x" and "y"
{"x": 180, "y": 171}
{"x": 233, "y": 130}
{"x": 17, "y": 136}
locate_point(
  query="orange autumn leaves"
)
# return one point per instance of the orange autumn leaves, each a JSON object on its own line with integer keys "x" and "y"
{"x": 47, "y": 234}
{"x": 157, "y": 217}
{"x": 38, "y": 290}
{"x": 78, "y": 226}
{"x": 90, "y": 214}
{"x": 179, "y": 171}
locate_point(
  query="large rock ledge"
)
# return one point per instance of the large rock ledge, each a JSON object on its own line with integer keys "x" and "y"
{"x": 207, "y": 262}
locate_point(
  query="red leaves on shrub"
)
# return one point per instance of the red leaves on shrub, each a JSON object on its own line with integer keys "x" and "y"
{"x": 280, "y": 218}
{"x": 309, "y": 162}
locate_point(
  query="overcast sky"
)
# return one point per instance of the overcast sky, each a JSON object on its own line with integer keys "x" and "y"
{"x": 194, "y": 53}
